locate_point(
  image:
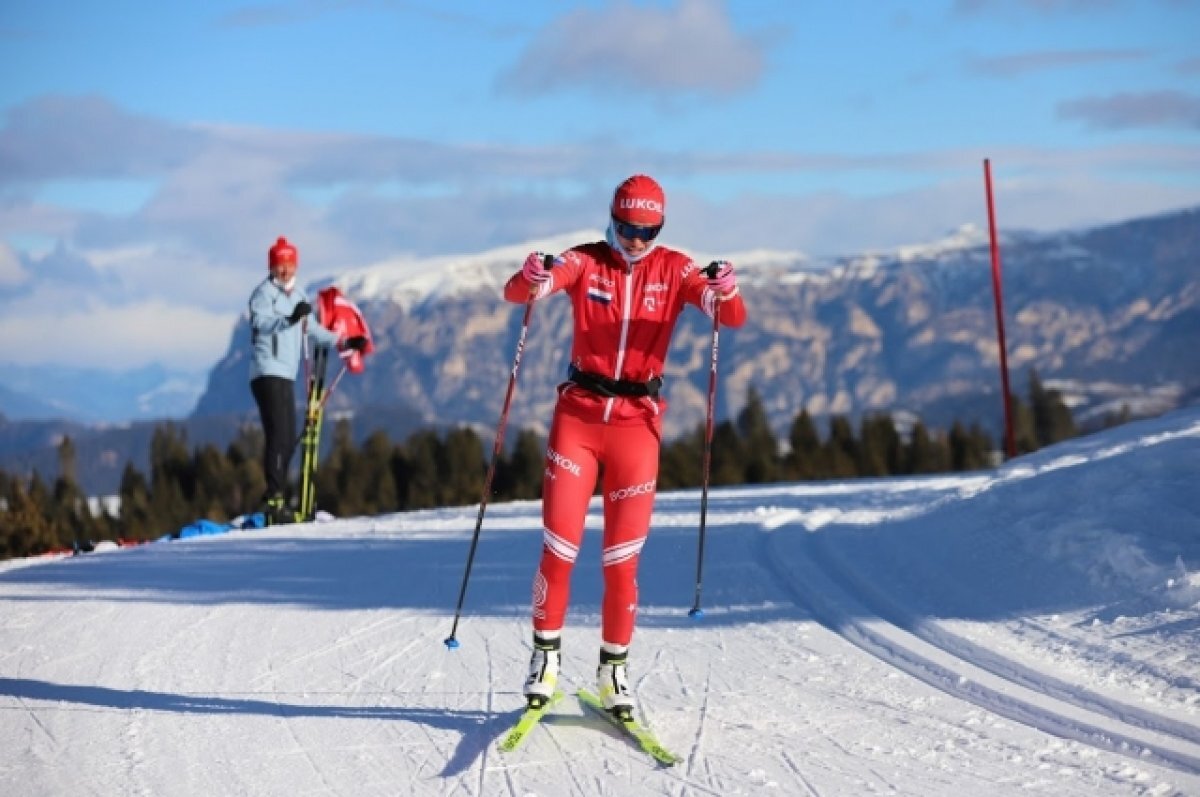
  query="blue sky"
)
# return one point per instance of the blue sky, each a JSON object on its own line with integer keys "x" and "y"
{"x": 150, "y": 152}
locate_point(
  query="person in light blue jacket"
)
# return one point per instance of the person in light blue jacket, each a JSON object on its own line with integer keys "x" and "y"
{"x": 280, "y": 320}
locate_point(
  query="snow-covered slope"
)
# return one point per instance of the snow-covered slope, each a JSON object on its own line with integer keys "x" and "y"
{"x": 1033, "y": 630}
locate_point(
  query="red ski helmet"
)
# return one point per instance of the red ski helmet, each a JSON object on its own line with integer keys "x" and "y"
{"x": 282, "y": 252}
{"x": 639, "y": 201}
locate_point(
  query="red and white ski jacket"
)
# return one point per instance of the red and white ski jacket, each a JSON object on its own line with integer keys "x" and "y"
{"x": 625, "y": 315}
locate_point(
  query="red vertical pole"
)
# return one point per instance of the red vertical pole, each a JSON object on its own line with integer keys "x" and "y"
{"x": 1010, "y": 443}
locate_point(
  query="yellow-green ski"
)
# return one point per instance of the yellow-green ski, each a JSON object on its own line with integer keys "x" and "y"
{"x": 638, "y": 733}
{"x": 528, "y": 720}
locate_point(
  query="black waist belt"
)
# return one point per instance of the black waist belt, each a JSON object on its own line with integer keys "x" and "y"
{"x": 612, "y": 388}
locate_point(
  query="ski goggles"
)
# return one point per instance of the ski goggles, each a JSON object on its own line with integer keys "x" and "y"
{"x": 633, "y": 231}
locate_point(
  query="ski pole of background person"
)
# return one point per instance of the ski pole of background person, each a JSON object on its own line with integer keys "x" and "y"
{"x": 304, "y": 352}
{"x": 324, "y": 398}
{"x": 316, "y": 387}
{"x": 312, "y": 426}
{"x": 706, "y": 463}
{"x": 451, "y": 641}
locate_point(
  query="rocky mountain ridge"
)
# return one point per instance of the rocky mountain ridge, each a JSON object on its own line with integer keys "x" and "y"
{"x": 1109, "y": 313}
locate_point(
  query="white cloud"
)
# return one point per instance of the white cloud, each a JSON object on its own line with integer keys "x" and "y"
{"x": 63, "y": 329}
{"x": 622, "y": 47}
{"x": 1167, "y": 109}
{"x": 12, "y": 273}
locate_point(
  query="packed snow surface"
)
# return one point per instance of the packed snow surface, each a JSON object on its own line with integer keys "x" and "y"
{"x": 1031, "y": 630}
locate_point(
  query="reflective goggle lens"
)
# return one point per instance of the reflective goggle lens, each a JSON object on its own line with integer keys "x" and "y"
{"x": 632, "y": 231}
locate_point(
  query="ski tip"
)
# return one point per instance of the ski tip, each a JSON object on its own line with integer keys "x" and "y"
{"x": 451, "y": 643}
{"x": 696, "y": 614}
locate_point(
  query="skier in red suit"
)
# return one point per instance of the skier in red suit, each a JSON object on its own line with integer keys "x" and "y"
{"x": 627, "y": 293}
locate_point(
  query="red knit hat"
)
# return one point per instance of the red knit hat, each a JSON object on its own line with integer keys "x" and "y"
{"x": 282, "y": 252}
{"x": 639, "y": 200}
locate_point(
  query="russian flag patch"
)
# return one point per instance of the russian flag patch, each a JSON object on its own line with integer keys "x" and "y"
{"x": 597, "y": 295}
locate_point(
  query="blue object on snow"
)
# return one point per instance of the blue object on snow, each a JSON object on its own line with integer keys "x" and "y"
{"x": 201, "y": 528}
{"x": 255, "y": 521}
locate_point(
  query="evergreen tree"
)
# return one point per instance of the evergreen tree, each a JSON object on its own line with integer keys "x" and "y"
{"x": 759, "y": 446}
{"x": 245, "y": 454}
{"x": 728, "y": 460}
{"x": 461, "y": 468}
{"x": 924, "y": 454}
{"x": 982, "y": 445}
{"x": 841, "y": 449}
{"x": 68, "y": 512}
{"x": 1024, "y": 431}
{"x": 219, "y": 494}
{"x": 67, "y": 469}
{"x": 879, "y": 451}
{"x": 136, "y": 516}
{"x": 681, "y": 461}
{"x": 341, "y": 478}
{"x": 969, "y": 448}
{"x": 379, "y": 493}
{"x": 24, "y": 528}
{"x": 416, "y": 468}
{"x": 1052, "y": 419}
{"x": 172, "y": 480}
{"x": 804, "y": 460}
{"x": 519, "y": 476}
{"x": 528, "y": 465}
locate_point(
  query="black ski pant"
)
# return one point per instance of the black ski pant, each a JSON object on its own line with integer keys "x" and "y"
{"x": 276, "y": 399}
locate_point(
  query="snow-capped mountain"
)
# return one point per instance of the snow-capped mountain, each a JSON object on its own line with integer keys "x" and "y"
{"x": 1108, "y": 313}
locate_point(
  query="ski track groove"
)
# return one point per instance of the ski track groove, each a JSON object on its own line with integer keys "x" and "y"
{"x": 686, "y": 769}
{"x": 834, "y": 603}
{"x": 1091, "y": 649}
{"x": 490, "y": 707}
{"x": 379, "y": 665}
{"x": 798, "y": 771}
{"x": 312, "y": 761}
{"x": 38, "y": 722}
{"x": 340, "y": 642}
{"x": 694, "y": 754}
{"x": 999, "y": 665}
{"x": 488, "y": 752}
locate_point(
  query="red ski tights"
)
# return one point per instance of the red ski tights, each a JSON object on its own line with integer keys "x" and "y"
{"x": 575, "y": 451}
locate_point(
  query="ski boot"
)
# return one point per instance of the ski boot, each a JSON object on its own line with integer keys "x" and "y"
{"x": 276, "y": 511}
{"x": 612, "y": 684}
{"x": 543, "y": 670}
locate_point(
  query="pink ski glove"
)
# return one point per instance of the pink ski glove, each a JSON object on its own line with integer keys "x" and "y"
{"x": 721, "y": 278}
{"x": 534, "y": 271}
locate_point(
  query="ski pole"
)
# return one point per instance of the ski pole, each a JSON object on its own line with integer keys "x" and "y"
{"x": 312, "y": 421}
{"x": 706, "y": 466}
{"x": 308, "y": 498}
{"x": 304, "y": 349}
{"x": 320, "y": 405}
{"x": 333, "y": 385}
{"x": 451, "y": 641}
